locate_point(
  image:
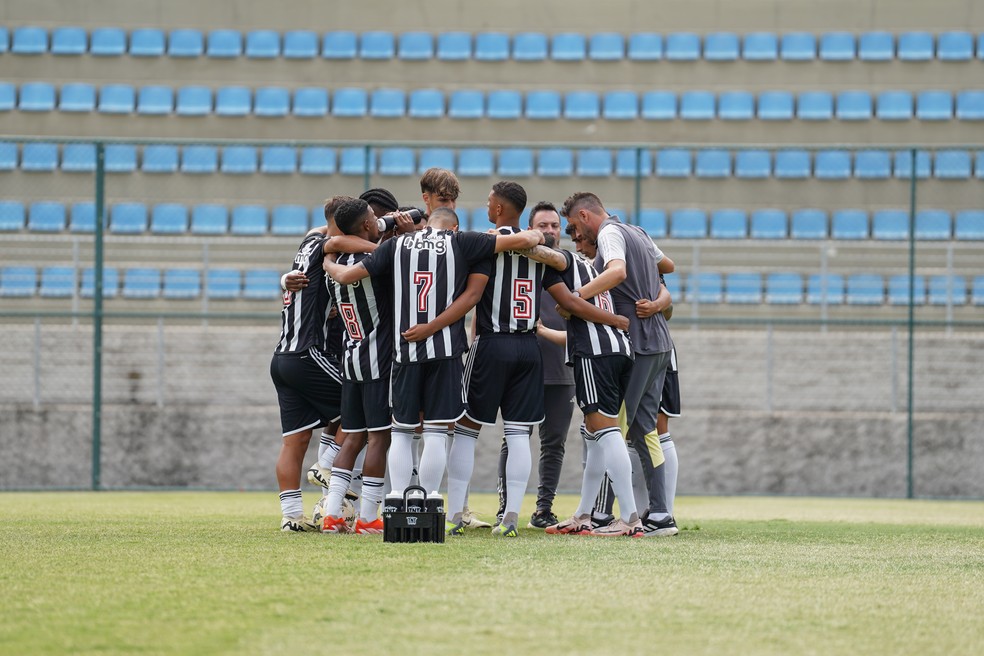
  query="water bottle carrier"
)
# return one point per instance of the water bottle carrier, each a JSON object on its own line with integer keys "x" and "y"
{"x": 413, "y": 525}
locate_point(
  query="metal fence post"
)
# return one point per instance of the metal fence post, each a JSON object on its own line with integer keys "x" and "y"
{"x": 97, "y": 316}
{"x": 912, "y": 322}
{"x": 638, "y": 186}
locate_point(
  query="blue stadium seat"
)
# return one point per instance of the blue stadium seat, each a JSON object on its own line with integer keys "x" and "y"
{"x": 289, "y": 220}
{"x": 933, "y": 225}
{"x": 182, "y": 283}
{"x": 705, "y": 287}
{"x": 12, "y": 215}
{"x": 39, "y": 157}
{"x": 466, "y": 104}
{"x": 128, "y": 218}
{"x": 377, "y": 45}
{"x": 619, "y": 213}
{"x": 318, "y": 160}
{"x": 969, "y": 225}
{"x": 311, "y": 102}
{"x": 107, "y": 42}
{"x": 837, "y": 46}
{"x": 916, "y": 46}
{"x": 865, "y": 289}
{"x": 530, "y": 46}
{"x": 142, "y": 282}
{"x": 785, "y": 288}
{"x": 350, "y": 102}
{"x": 120, "y": 158}
{"x": 568, "y": 46}
{"x": 849, "y": 224}
{"x": 209, "y": 219}
{"x": 682, "y": 46}
{"x": 278, "y": 160}
{"x": 688, "y": 224}
{"x": 832, "y": 165}
{"x": 491, "y": 46}
{"x": 515, "y": 163}
{"x": 890, "y": 224}
{"x": 903, "y": 164}
{"x": 18, "y": 281}
{"x": 46, "y": 216}
{"x": 199, "y": 159}
{"x": 753, "y": 164}
{"x": 594, "y": 163}
{"x": 759, "y": 46}
{"x": 952, "y": 165}
{"x": 300, "y": 44}
{"x": 697, "y": 106}
{"x": 261, "y": 284}
{"x": 504, "y": 104}
{"x": 934, "y": 106}
{"x": 117, "y": 99}
{"x": 977, "y": 291}
{"x": 775, "y": 106}
{"x": 743, "y": 288}
{"x": 673, "y": 163}
{"x": 630, "y": 162}
{"x": 970, "y": 105}
{"x": 8, "y": 156}
{"x": 272, "y": 102}
{"x": 148, "y": 42}
{"x": 815, "y": 106}
{"x": 653, "y": 221}
{"x": 809, "y": 223}
{"x": 873, "y": 165}
{"x": 233, "y": 101}
{"x": 543, "y": 105}
{"x": 674, "y": 285}
{"x": 36, "y": 97}
{"x": 898, "y": 290}
{"x": 876, "y": 46}
{"x": 713, "y": 163}
{"x": 355, "y": 161}
{"x": 416, "y": 46}
{"x": 621, "y": 106}
{"x": 825, "y": 289}
{"x": 194, "y": 101}
{"x": 265, "y": 44}
{"x": 185, "y": 43}
{"x": 769, "y": 224}
{"x": 645, "y": 46}
{"x": 248, "y": 220}
{"x": 8, "y": 96}
{"x": 77, "y": 97}
{"x": 397, "y": 161}
{"x": 441, "y": 158}
{"x": 29, "y": 40}
{"x": 4, "y": 40}
{"x": 894, "y": 106}
{"x": 606, "y": 46}
{"x": 947, "y": 290}
{"x": 454, "y": 46}
{"x": 387, "y": 103}
{"x": 58, "y": 282}
{"x": 979, "y": 165}
{"x": 853, "y": 106}
{"x": 721, "y": 46}
{"x": 169, "y": 219}
{"x": 83, "y": 217}
{"x": 955, "y": 46}
{"x": 339, "y": 45}
{"x": 238, "y": 160}
{"x": 792, "y": 164}
{"x": 155, "y": 100}
{"x": 223, "y": 283}
{"x": 428, "y": 103}
{"x": 736, "y": 106}
{"x": 555, "y": 162}
{"x": 798, "y": 46}
{"x": 659, "y": 106}
{"x": 69, "y": 41}
{"x": 582, "y": 106}
{"x": 110, "y": 282}
{"x": 729, "y": 224}
{"x": 160, "y": 158}
{"x": 224, "y": 44}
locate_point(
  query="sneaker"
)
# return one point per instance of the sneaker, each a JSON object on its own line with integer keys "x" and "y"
{"x": 573, "y": 526}
{"x": 664, "y": 528}
{"x": 471, "y": 520}
{"x": 604, "y": 520}
{"x": 505, "y": 531}
{"x": 541, "y": 519}
{"x": 318, "y": 476}
{"x": 299, "y": 524}
{"x": 620, "y": 527}
{"x": 332, "y": 524}
{"x": 366, "y": 528}
{"x": 450, "y": 528}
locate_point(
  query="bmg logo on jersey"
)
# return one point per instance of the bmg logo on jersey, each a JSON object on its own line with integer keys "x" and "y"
{"x": 419, "y": 241}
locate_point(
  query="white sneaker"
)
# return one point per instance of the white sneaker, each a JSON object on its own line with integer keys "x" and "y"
{"x": 299, "y": 524}
{"x": 318, "y": 476}
{"x": 471, "y": 520}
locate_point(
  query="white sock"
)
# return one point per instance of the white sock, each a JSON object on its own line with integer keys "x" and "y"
{"x": 415, "y": 454}
{"x": 327, "y": 450}
{"x": 356, "y": 485}
{"x": 619, "y": 468}
{"x": 399, "y": 459}
{"x": 672, "y": 468}
{"x": 594, "y": 471}
{"x": 339, "y": 484}
{"x": 461, "y": 464}
{"x": 519, "y": 462}
{"x": 433, "y": 457}
{"x": 291, "y": 503}
{"x": 372, "y": 494}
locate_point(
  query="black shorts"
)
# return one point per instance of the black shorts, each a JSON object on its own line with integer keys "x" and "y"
{"x": 600, "y": 383}
{"x": 309, "y": 388}
{"x": 669, "y": 402}
{"x": 432, "y": 387}
{"x": 366, "y": 406}
{"x": 504, "y": 371}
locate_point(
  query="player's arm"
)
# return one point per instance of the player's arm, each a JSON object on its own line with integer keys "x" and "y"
{"x": 612, "y": 276}
{"x": 320, "y": 230}
{"x": 552, "y": 258}
{"x": 458, "y": 308}
{"x": 345, "y": 275}
{"x": 349, "y": 244}
{"x": 558, "y": 337}
{"x": 647, "y": 308}
{"x": 518, "y": 241}
{"x": 293, "y": 281}
{"x": 576, "y": 305}
{"x": 666, "y": 265}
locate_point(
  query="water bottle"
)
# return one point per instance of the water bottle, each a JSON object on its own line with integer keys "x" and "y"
{"x": 435, "y": 502}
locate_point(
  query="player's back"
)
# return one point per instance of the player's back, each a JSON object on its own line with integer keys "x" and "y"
{"x": 511, "y": 300}
{"x": 366, "y": 310}
{"x": 305, "y": 312}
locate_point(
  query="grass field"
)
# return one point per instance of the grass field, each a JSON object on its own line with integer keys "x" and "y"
{"x": 208, "y": 573}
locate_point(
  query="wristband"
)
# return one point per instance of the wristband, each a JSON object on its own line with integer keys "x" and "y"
{"x": 283, "y": 280}
{"x": 577, "y": 293}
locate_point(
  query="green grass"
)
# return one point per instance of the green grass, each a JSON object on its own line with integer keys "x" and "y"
{"x": 208, "y": 573}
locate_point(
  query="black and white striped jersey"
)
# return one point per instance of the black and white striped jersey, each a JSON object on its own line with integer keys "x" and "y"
{"x": 584, "y": 338}
{"x": 429, "y": 269}
{"x": 304, "y": 318}
{"x": 366, "y": 309}
{"x": 511, "y": 300}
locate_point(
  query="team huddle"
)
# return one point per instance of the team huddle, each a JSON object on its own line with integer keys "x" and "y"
{"x": 373, "y": 343}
